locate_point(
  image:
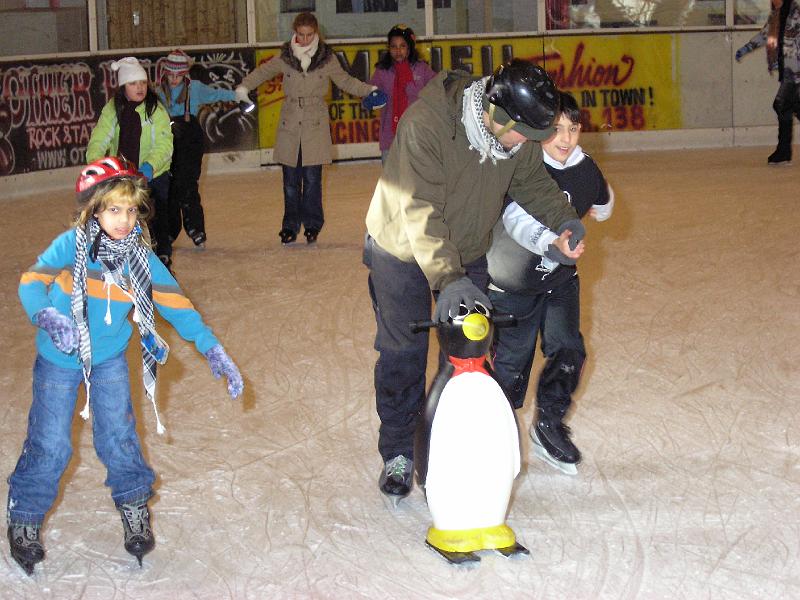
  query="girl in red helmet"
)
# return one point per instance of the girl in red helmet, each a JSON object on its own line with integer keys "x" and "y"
{"x": 79, "y": 294}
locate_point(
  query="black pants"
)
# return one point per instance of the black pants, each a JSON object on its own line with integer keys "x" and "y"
{"x": 160, "y": 217}
{"x": 555, "y": 318}
{"x": 400, "y": 294}
{"x": 786, "y": 104}
{"x": 185, "y": 209}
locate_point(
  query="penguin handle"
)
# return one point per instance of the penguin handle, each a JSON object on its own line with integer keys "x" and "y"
{"x": 417, "y": 326}
{"x": 504, "y": 320}
{"x": 498, "y": 320}
{"x": 246, "y": 107}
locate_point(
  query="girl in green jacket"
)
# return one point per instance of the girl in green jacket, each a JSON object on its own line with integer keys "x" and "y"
{"x": 133, "y": 125}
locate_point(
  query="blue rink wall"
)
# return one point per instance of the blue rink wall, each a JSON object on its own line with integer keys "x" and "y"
{"x": 48, "y": 106}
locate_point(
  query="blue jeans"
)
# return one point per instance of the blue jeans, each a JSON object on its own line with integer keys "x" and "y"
{"x": 556, "y": 315}
{"x": 33, "y": 486}
{"x": 400, "y": 294}
{"x": 302, "y": 196}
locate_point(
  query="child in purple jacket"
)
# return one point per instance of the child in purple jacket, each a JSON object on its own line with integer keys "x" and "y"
{"x": 400, "y": 74}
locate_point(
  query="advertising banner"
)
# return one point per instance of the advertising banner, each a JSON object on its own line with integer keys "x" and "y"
{"x": 48, "y": 109}
{"x": 621, "y": 82}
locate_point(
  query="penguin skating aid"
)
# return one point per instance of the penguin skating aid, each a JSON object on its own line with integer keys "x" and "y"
{"x": 467, "y": 445}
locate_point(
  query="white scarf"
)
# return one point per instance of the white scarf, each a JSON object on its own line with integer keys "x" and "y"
{"x": 479, "y": 137}
{"x": 304, "y": 53}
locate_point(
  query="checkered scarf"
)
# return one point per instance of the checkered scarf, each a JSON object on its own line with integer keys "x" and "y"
{"x": 480, "y": 138}
{"x": 113, "y": 256}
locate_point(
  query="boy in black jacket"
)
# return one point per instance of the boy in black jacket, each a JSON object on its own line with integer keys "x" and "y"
{"x": 534, "y": 282}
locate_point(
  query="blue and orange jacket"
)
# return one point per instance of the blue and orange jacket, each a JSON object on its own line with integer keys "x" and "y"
{"x": 49, "y": 283}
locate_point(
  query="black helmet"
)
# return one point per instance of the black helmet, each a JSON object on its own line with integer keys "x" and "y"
{"x": 522, "y": 91}
{"x": 467, "y": 335}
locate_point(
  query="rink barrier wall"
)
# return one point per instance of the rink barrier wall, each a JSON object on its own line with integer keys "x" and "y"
{"x": 637, "y": 91}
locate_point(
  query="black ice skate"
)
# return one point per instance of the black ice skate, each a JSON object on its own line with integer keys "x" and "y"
{"x": 26, "y": 548}
{"x": 396, "y": 478}
{"x": 287, "y": 236}
{"x": 198, "y": 237}
{"x": 551, "y": 443}
{"x": 782, "y": 157}
{"x": 139, "y": 538}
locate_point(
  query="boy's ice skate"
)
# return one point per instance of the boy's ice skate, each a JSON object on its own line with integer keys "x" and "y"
{"x": 25, "y": 546}
{"x": 551, "y": 443}
{"x": 396, "y": 478}
{"x": 139, "y": 538}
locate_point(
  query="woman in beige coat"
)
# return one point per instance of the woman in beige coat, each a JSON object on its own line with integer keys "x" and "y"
{"x": 303, "y": 141}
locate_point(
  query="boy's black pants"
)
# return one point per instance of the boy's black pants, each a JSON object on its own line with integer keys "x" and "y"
{"x": 187, "y": 160}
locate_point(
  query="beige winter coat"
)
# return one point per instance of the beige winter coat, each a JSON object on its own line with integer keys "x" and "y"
{"x": 304, "y": 113}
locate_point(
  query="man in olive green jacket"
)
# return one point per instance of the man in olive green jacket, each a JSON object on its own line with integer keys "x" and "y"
{"x": 458, "y": 151}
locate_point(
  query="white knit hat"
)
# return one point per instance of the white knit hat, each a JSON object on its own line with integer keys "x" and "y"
{"x": 128, "y": 70}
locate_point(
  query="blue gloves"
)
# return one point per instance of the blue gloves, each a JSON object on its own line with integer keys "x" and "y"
{"x": 375, "y": 99}
{"x": 147, "y": 170}
{"x": 461, "y": 291}
{"x": 221, "y": 364}
{"x": 746, "y": 49}
{"x": 578, "y": 231}
{"x": 59, "y": 327}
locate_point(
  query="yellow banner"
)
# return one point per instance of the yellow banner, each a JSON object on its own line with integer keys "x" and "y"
{"x": 621, "y": 82}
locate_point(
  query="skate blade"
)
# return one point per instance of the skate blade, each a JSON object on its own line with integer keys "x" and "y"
{"x": 542, "y": 454}
{"x": 392, "y": 500}
{"x": 456, "y": 558}
{"x": 26, "y": 566}
{"x": 516, "y": 550}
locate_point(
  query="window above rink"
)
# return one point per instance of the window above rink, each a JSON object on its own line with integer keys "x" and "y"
{"x": 57, "y": 27}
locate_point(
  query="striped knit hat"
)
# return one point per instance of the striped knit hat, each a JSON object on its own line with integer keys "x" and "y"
{"x": 177, "y": 62}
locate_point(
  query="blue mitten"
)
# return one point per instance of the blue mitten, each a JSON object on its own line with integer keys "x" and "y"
{"x": 746, "y": 49}
{"x": 578, "y": 231}
{"x": 59, "y": 327}
{"x": 375, "y": 99}
{"x": 221, "y": 364}
{"x": 461, "y": 291}
{"x": 147, "y": 170}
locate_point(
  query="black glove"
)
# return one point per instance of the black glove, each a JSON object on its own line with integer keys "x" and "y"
{"x": 461, "y": 291}
{"x": 578, "y": 231}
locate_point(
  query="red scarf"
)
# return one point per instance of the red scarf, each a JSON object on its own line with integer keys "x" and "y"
{"x": 402, "y": 77}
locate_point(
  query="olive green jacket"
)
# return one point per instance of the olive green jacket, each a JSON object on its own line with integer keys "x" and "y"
{"x": 436, "y": 204}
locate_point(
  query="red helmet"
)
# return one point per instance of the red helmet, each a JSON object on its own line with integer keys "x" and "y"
{"x": 104, "y": 169}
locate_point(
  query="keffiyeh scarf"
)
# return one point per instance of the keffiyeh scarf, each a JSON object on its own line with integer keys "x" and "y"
{"x": 113, "y": 255}
{"x": 480, "y": 138}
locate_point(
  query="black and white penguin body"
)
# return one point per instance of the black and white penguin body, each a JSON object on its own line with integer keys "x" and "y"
{"x": 467, "y": 445}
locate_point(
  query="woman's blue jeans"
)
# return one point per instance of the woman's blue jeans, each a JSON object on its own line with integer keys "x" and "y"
{"x": 302, "y": 196}
{"x": 33, "y": 486}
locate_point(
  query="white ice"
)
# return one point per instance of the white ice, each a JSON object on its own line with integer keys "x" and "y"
{"x": 687, "y": 415}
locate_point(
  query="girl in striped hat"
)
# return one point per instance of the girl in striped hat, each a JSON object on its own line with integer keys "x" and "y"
{"x": 183, "y": 98}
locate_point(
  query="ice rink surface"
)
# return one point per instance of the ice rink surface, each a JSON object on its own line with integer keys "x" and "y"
{"x": 688, "y": 415}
